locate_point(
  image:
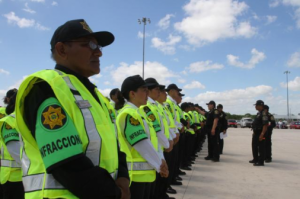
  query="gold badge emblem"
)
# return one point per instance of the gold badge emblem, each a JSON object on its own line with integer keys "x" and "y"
{"x": 152, "y": 117}
{"x": 7, "y": 126}
{"x": 133, "y": 121}
{"x": 54, "y": 117}
{"x": 2, "y": 115}
{"x": 216, "y": 112}
{"x": 86, "y": 26}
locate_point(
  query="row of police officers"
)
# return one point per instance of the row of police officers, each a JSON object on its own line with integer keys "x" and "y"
{"x": 61, "y": 138}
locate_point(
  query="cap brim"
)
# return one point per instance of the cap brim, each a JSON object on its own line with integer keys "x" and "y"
{"x": 162, "y": 87}
{"x": 103, "y": 38}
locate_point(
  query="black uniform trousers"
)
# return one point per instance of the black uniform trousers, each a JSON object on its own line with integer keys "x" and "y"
{"x": 13, "y": 190}
{"x": 176, "y": 154}
{"x": 166, "y": 182}
{"x": 258, "y": 148}
{"x": 213, "y": 144}
{"x": 140, "y": 190}
{"x": 269, "y": 144}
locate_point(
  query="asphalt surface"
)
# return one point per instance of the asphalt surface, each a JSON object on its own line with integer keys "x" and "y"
{"x": 235, "y": 178}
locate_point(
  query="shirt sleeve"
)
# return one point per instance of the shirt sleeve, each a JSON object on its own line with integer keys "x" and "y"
{"x": 9, "y": 134}
{"x": 134, "y": 131}
{"x": 56, "y": 135}
{"x": 154, "y": 120}
{"x": 216, "y": 114}
{"x": 265, "y": 119}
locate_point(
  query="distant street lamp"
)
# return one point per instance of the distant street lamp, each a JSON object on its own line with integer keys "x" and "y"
{"x": 287, "y": 92}
{"x": 144, "y": 20}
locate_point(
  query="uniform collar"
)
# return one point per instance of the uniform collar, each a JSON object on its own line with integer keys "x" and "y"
{"x": 151, "y": 100}
{"x": 131, "y": 105}
{"x": 169, "y": 97}
{"x": 84, "y": 80}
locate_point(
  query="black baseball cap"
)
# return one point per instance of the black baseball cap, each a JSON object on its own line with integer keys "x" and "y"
{"x": 259, "y": 102}
{"x": 212, "y": 102}
{"x": 151, "y": 82}
{"x": 132, "y": 83}
{"x": 11, "y": 92}
{"x": 173, "y": 86}
{"x": 181, "y": 94}
{"x": 184, "y": 105}
{"x": 220, "y": 106}
{"x": 266, "y": 107}
{"x": 79, "y": 28}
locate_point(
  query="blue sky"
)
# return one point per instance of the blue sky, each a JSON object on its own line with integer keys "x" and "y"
{"x": 230, "y": 51}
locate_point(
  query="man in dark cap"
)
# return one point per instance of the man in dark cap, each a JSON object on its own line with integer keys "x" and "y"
{"x": 223, "y": 125}
{"x": 212, "y": 118}
{"x": 69, "y": 137}
{"x": 268, "y": 136}
{"x": 259, "y": 126}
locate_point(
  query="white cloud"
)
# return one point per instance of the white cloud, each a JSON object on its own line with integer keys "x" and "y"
{"x": 294, "y": 60}
{"x": 95, "y": 79}
{"x": 40, "y": 27}
{"x": 13, "y": 19}
{"x": 236, "y": 100}
{"x": 211, "y": 20}
{"x": 54, "y": 3}
{"x": 296, "y": 4}
{"x": 271, "y": 19}
{"x": 107, "y": 83}
{"x": 27, "y": 9}
{"x": 255, "y": 59}
{"x": 38, "y": 1}
{"x": 202, "y": 66}
{"x": 21, "y": 22}
{"x": 109, "y": 68}
{"x": 274, "y": 3}
{"x": 2, "y": 71}
{"x": 194, "y": 85}
{"x": 164, "y": 23}
{"x": 166, "y": 47}
{"x": 105, "y": 92}
{"x": 140, "y": 35}
{"x": 294, "y": 85}
{"x": 181, "y": 80}
{"x": 152, "y": 69}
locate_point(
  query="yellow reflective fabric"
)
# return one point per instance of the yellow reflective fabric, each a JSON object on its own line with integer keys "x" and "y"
{"x": 2, "y": 112}
{"x": 174, "y": 110}
{"x": 91, "y": 120}
{"x": 138, "y": 167}
{"x": 9, "y": 170}
{"x": 190, "y": 119}
{"x": 161, "y": 111}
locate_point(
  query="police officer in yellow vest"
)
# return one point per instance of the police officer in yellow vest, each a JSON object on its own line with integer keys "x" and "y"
{"x": 10, "y": 170}
{"x": 138, "y": 139}
{"x": 70, "y": 147}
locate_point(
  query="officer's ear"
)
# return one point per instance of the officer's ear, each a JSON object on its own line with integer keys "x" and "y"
{"x": 61, "y": 50}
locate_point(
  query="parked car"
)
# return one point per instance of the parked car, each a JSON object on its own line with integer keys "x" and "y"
{"x": 295, "y": 125}
{"x": 246, "y": 122}
{"x": 238, "y": 122}
{"x": 281, "y": 125}
{"x": 232, "y": 123}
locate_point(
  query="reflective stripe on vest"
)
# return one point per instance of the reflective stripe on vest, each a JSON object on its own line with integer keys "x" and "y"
{"x": 10, "y": 163}
{"x": 92, "y": 150}
{"x": 139, "y": 166}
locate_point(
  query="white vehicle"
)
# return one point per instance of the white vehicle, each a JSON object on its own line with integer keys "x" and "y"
{"x": 246, "y": 122}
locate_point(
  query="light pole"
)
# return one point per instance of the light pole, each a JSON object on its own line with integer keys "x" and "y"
{"x": 287, "y": 93}
{"x": 144, "y": 20}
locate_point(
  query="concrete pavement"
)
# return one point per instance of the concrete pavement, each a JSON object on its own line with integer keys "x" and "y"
{"x": 235, "y": 178}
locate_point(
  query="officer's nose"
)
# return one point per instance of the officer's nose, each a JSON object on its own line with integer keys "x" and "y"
{"x": 97, "y": 52}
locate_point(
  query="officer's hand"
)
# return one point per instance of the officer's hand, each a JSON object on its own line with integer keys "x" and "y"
{"x": 261, "y": 137}
{"x": 224, "y": 132}
{"x": 213, "y": 131}
{"x": 164, "y": 171}
{"x": 123, "y": 184}
{"x": 170, "y": 147}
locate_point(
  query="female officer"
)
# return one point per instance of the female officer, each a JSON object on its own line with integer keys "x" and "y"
{"x": 11, "y": 173}
{"x": 138, "y": 139}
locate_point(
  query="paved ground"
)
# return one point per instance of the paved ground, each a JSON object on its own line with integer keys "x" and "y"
{"x": 235, "y": 178}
